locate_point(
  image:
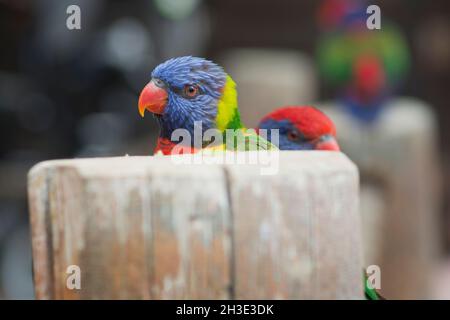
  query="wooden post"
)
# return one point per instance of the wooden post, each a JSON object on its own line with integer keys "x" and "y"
{"x": 147, "y": 228}
{"x": 398, "y": 160}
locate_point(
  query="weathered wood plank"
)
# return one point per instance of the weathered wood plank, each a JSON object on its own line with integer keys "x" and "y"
{"x": 147, "y": 228}
{"x": 297, "y": 233}
{"x": 137, "y": 228}
{"x": 41, "y": 231}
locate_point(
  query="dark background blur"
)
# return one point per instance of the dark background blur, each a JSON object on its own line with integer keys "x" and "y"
{"x": 73, "y": 93}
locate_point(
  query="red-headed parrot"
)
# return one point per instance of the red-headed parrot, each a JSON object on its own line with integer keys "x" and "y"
{"x": 301, "y": 128}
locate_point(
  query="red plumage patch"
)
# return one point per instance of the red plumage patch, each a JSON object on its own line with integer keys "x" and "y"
{"x": 167, "y": 147}
{"x": 310, "y": 121}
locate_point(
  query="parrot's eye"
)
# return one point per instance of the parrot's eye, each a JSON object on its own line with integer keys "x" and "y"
{"x": 293, "y": 136}
{"x": 158, "y": 82}
{"x": 190, "y": 91}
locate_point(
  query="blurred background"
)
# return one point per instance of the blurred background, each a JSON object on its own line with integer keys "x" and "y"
{"x": 73, "y": 93}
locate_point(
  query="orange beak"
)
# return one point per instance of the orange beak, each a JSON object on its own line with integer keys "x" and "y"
{"x": 153, "y": 99}
{"x": 327, "y": 142}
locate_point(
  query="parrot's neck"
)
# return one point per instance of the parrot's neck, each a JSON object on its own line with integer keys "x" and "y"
{"x": 228, "y": 116}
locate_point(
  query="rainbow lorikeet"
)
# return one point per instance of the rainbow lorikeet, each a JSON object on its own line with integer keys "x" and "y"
{"x": 186, "y": 92}
{"x": 301, "y": 128}
{"x": 366, "y": 66}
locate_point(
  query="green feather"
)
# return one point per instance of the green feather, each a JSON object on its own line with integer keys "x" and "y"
{"x": 246, "y": 140}
{"x": 370, "y": 293}
{"x": 228, "y": 118}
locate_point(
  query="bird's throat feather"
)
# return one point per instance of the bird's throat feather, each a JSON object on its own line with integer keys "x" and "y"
{"x": 228, "y": 116}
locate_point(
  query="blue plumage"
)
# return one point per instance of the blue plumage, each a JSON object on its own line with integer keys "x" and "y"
{"x": 286, "y": 128}
{"x": 182, "y": 111}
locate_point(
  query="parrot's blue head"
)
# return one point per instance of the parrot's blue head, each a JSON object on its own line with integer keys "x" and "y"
{"x": 185, "y": 90}
{"x": 300, "y": 128}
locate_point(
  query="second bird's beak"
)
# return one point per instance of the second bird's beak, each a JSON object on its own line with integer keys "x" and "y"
{"x": 153, "y": 99}
{"x": 327, "y": 142}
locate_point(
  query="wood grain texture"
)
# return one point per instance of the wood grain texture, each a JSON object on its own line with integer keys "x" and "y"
{"x": 399, "y": 165}
{"x": 146, "y": 228}
{"x": 297, "y": 233}
{"x": 136, "y": 228}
